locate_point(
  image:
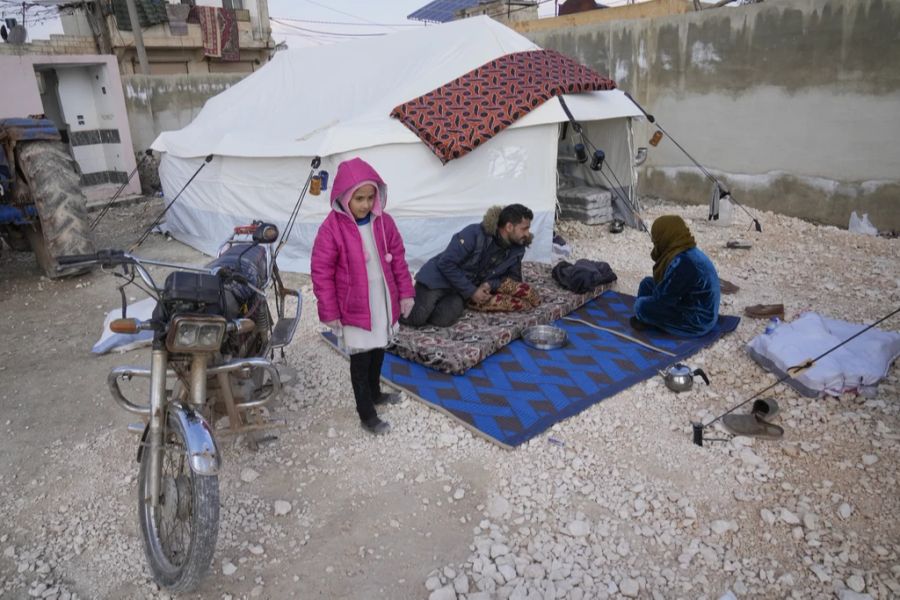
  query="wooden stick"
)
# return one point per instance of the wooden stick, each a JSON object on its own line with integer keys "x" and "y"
{"x": 621, "y": 335}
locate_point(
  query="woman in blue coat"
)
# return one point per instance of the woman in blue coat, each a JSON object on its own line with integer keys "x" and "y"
{"x": 682, "y": 297}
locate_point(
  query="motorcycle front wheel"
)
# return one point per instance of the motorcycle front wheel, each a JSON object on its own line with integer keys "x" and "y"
{"x": 180, "y": 532}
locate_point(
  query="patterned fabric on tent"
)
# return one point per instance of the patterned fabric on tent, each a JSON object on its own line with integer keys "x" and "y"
{"x": 459, "y": 116}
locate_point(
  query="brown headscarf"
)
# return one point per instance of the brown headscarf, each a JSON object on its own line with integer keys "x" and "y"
{"x": 671, "y": 237}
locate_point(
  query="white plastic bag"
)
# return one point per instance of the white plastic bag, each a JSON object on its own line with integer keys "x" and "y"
{"x": 863, "y": 225}
{"x": 720, "y": 204}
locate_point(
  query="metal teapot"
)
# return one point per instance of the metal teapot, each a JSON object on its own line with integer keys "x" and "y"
{"x": 680, "y": 377}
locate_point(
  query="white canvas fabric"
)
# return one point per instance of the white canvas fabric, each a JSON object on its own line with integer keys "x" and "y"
{"x": 858, "y": 365}
{"x": 334, "y": 102}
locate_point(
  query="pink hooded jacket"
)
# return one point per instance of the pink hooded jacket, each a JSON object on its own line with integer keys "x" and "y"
{"x": 338, "y": 270}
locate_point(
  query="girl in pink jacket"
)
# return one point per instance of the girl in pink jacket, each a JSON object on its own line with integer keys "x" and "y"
{"x": 361, "y": 281}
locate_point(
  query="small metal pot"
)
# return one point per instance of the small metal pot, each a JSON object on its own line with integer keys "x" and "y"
{"x": 680, "y": 377}
{"x": 544, "y": 337}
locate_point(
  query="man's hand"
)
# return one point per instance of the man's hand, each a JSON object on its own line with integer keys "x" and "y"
{"x": 482, "y": 294}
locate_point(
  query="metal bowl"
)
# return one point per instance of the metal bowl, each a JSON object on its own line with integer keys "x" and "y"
{"x": 544, "y": 337}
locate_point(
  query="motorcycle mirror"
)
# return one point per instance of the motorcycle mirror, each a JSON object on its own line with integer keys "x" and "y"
{"x": 265, "y": 233}
{"x": 125, "y": 326}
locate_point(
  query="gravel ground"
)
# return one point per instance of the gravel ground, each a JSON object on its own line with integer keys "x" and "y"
{"x": 625, "y": 507}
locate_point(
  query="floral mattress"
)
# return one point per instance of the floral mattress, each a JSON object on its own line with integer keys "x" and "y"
{"x": 477, "y": 335}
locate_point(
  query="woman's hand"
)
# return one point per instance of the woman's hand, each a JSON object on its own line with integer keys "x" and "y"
{"x": 333, "y": 325}
{"x": 406, "y": 306}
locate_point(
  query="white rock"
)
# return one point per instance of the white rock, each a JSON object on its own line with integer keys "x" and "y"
{"x": 282, "y": 508}
{"x": 248, "y": 475}
{"x": 789, "y": 517}
{"x": 432, "y": 583}
{"x": 845, "y": 510}
{"x": 869, "y": 459}
{"x": 461, "y": 584}
{"x": 719, "y": 527}
{"x": 534, "y": 571}
{"x": 447, "y": 439}
{"x": 497, "y": 507}
{"x": 821, "y": 572}
{"x": 444, "y": 593}
{"x": 748, "y": 457}
{"x": 228, "y": 568}
{"x": 811, "y": 521}
{"x": 498, "y": 550}
{"x": 629, "y": 588}
{"x": 856, "y": 583}
{"x": 459, "y": 494}
{"x": 845, "y": 594}
{"x": 256, "y": 549}
{"x": 331, "y": 432}
{"x": 579, "y": 528}
{"x": 508, "y": 572}
{"x": 767, "y": 515}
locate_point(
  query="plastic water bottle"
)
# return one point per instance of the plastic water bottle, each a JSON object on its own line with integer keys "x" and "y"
{"x": 773, "y": 324}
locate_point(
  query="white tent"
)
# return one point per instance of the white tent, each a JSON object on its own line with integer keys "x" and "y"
{"x": 334, "y": 102}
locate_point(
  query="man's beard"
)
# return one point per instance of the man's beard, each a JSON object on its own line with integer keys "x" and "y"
{"x": 525, "y": 241}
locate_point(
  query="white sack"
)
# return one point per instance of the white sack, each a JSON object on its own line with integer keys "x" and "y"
{"x": 858, "y": 365}
{"x": 123, "y": 342}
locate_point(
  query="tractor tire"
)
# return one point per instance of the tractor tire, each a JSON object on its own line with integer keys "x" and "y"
{"x": 55, "y": 189}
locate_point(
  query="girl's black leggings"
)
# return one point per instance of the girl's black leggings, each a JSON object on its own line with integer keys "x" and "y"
{"x": 365, "y": 376}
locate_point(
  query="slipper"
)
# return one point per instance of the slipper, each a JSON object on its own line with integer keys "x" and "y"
{"x": 726, "y": 287}
{"x": 764, "y": 311}
{"x": 765, "y": 408}
{"x": 751, "y": 425}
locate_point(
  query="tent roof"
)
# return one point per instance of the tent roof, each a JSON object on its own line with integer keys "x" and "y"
{"x": 331, "y": 99}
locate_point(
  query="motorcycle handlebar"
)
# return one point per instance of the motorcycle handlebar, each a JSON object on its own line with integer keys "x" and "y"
{"x": 74, "y": 259}
{"x": 103, "y": 257}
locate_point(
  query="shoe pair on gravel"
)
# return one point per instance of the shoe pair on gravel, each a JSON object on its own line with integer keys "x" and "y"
{"x": 756, "y": 424}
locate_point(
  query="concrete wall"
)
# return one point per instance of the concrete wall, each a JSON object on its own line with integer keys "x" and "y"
{"x": 794, "y": 103}
{"x": 158, "y": 103}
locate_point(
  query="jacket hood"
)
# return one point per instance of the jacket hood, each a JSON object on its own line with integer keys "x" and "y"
{"x": 490, "y": 220}
{"x": 351, "y": 174}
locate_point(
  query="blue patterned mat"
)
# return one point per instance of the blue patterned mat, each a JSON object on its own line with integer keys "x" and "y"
{"x": 518, "y": 392}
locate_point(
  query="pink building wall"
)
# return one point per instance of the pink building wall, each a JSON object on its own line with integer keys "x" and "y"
{"x": 89, "y": 87}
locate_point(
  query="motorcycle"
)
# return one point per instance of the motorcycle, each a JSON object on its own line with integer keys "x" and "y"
{"x": 212, "y": 356}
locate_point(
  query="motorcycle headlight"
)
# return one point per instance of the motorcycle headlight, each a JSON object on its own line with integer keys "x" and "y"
{"x": 195, "y": 333}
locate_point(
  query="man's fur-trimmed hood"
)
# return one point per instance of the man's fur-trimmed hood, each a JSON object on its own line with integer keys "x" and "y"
{"x": 490, "y": 220}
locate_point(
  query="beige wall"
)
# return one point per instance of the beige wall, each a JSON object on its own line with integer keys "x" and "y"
{"x": 168, "y": 102}
{"x": 794, "y": 103}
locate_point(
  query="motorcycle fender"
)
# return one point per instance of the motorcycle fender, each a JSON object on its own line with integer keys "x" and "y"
{"x": 203, "y": 453}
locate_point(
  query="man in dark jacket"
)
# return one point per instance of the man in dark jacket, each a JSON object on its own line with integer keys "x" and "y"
{"x": 477, "y": 259}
